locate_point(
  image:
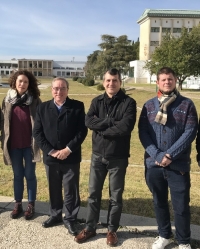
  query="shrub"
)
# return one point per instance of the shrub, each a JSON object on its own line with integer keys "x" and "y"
{"x": 100, "y": 87}
{"x": 75, "y": 78}
{"x": 80, "y": 80}
{"x": 89, "y": 82}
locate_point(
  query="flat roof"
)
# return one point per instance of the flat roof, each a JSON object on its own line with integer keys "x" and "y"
{"x": 169, "y": 13}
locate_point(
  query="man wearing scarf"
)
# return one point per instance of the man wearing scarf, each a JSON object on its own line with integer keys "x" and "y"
{"x": 167, "y": 127}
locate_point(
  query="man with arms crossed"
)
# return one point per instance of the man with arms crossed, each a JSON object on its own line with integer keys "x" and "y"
{"x": 167, "y": 127}
{"x": 59, "y": 131}
{"x": 111, "y": 117}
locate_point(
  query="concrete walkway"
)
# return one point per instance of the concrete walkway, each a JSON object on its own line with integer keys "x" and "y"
{"x": 135, "y": 232}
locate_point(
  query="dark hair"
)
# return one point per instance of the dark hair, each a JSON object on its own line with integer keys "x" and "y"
{"x": 33, "y": 82}
{"x": 113, "y": 71}
{"x": 165, "y": 70}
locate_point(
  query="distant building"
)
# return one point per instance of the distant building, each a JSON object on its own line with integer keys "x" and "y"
{"x": 153, "y": 25}
{"x": 43, "y": 68}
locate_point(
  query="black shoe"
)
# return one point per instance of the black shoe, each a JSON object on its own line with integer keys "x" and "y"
{"x": 52, "y": 221}
{"x": 71, "y": 228}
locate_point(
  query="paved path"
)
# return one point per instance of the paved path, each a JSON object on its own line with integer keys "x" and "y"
{"x": 136, "y": 232}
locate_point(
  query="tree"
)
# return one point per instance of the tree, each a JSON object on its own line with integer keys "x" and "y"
{"x": 115, "y": 52}
{"x": 180, "y": 53}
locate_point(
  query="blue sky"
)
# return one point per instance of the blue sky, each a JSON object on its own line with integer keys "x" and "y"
{"x": 70, "y": 29}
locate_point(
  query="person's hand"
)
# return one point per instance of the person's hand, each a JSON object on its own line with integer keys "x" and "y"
{"x": 54, "y": 153}
{"x": 63, "y": 154}
{"x": 165, "y": 161}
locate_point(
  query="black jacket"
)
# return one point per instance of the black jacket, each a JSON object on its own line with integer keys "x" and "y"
{"x": 112, "y": 124}
{"x": 198, "y": 144}
{"x": 54, "y": 130}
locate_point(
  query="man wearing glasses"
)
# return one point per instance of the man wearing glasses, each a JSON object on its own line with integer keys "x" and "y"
{"x": 59, "y": 131}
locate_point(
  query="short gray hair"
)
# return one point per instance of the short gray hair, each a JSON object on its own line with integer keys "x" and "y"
{"x": 63, "y": 79}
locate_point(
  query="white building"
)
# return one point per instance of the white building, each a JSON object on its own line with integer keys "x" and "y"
{"x": 43, "y": 68}
{"x": 154, "y": 24}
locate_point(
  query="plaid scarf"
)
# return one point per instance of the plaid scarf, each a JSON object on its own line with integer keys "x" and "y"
{"x": 165, "y": 100}
{"x": 15, "y": 99}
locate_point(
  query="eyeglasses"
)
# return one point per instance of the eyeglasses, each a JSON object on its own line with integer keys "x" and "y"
{"x": 56, "y": 89}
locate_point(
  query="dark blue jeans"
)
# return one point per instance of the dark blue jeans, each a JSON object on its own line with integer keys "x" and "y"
{"x": 98, "y": 171}
{"x": 23, "y": 167}
{"x": 159, "y": 179}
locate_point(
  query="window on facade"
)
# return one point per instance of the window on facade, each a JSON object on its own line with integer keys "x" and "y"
{"x": 35, "y": 73}
{"x": 63, "y": 73}
{"x": 59, "y": 73}
{"x": 176, "y": 30}
{"x": 154, "y": 43}
{"x": 7, "y": 72}
{"x": 155, "y": 21}
{"x": 188, "y": 22}
{"x": 155, "y": 29}
{"x": 166, "y": 30}
{"x": 79, "y": 68}
{"x": 68, "y": 73}
{"x": 189, "y": 29}
{"x": 166, "y": 21}
{"x": 30, "y": 65}
{"x": 177, "y": 21}
{"x": 39, "y": 73}
{"x": 40, "y": 65}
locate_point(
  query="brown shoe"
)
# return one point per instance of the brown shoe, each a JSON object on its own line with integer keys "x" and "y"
{"x": 112, "y": 238}
{"x": 17, "y": 210}
{"x": 30, "y": 210}
{"x": 84, "y": 235}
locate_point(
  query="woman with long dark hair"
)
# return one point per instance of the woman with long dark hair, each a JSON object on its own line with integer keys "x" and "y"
{"x": 19, "y": 147}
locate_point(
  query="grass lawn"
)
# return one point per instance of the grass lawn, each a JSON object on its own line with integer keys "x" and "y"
{"x": 137, "y": 197}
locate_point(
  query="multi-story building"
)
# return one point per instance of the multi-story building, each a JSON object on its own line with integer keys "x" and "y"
{"x": 156, "y": 23}
{"x": 153, "y": 25}
{"x": 43, "y": 68}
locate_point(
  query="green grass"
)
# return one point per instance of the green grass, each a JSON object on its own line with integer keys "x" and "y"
{"x": 137, "y": 197}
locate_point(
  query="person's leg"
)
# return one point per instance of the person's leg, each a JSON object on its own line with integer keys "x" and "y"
{"x": 117, "y": 171}
{"x": 30, "y": 174}
{"x": 156, "y": 180}
{"x": 71, "y": 191}
{"x": 97, "y": 177}
{"x": 179, "y": 185}
{"x": 18, "y": 170}
{"x": 54, "y": 176}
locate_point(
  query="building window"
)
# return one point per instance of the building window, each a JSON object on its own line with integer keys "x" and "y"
{"x": 68, "y": 73}
{"x": 166, "y": 30}
{"x": 155, "y": 29}
{"x": 39, "y": 73}
{"x": 189, "y": 29}
{"x": 7, "y": 72}
{"x": 155, "y": 21}
{"x": 188, "y": 22}
{"x": 176, "y": 30}
{"x": 59, "y": 73}
{"x": 30, "y": 65}
{"x": 63, "y": 73}
{"x": 166, "y": 21}
{"x": 154, "y": 43}
{"x": 40, "y": 65}
{"x": 177, "y": 21}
